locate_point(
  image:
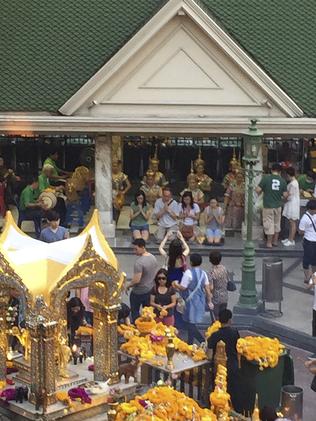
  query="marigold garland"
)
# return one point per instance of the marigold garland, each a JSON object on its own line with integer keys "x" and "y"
{"x": 220, "y": 399}
{"x": 265, "y": 351}
{"x": 153, "y": 343}
{"x": 212, "y": 329}
{"x": 161, "y": 404}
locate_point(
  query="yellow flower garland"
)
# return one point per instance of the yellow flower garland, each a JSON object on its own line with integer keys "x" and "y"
{"x": 265, "y": 351}
{"x": 220, "y": 399}
{"x": 146, "y": 347}
{"x": 212, "y": 329}
{"x": 164, "y": 403}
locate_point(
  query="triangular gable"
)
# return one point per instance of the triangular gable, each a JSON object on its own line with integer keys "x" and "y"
{"x": 181, "y": 63}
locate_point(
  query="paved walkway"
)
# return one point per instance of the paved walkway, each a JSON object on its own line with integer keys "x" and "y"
{"x": 297, "y": 303}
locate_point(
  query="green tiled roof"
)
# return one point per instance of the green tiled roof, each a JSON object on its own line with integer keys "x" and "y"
{"x": 49, "y": 49}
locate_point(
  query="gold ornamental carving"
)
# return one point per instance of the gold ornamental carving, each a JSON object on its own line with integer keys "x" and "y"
{"x": 45, "y": 337}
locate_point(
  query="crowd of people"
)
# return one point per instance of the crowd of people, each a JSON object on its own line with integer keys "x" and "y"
{"x": 181, "y": 287}
{"x": 205, "y": 220}
{"x": 51, "y": 189}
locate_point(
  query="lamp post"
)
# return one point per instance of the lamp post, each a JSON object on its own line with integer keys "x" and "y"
{"x": 248, "y": 294}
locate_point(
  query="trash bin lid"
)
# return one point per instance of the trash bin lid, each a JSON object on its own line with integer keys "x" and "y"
{"x": 271, "y": 260}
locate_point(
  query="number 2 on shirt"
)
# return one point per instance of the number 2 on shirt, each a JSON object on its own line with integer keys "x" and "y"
{"x": 275, "y": 184}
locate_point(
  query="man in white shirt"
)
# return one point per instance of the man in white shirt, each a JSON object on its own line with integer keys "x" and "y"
{"x": 307, "y": 227}
{"x": 198, "y": 293}
{"x": 166, "y": 211}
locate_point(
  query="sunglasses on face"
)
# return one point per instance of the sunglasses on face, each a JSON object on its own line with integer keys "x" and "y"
{"x": 161, "y": 278}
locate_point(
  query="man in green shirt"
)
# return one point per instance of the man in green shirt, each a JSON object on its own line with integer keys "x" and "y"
{"x": 56, "y": 173}
{"x": 273, "y": 187}
{"x": 44, "y": 177}
{"x": 307, "y": 182}
{"x": 30, "y": 208}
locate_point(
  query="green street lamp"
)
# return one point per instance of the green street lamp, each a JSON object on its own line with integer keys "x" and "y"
{"x": 248, "y": 294}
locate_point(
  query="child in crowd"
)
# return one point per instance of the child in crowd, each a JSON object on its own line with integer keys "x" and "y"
{"x": 54, "y": 232}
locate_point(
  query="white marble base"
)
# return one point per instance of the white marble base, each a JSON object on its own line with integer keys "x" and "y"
{"x": 108, "y": 227}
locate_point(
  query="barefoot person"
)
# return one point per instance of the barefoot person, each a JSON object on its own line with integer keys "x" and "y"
{"x": 139, "y": 216}
{"x": 214, "y": 221}
{"x": 166, "y": 212}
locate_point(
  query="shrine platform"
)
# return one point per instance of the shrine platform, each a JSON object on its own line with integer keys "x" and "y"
{"x": 79, "y": 411}
{"x": 232, "y": 246}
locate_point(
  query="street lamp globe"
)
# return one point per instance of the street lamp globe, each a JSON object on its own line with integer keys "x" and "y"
{"x": 252, "y": 143}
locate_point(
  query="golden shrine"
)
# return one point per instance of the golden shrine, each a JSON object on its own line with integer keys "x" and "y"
{"x": 44, "y": 273}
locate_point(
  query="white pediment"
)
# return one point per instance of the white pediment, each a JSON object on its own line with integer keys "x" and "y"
{"x": 181, "y": 64}
{"x": 180, "y": 71}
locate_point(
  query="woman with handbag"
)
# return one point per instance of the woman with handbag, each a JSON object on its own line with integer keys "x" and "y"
{"x": 189, "y": 216}
{"x": 195, "y": 289}
{"x": 163, "y": 298}
{"x": 218, "y": 277}
{"x": 176, "y": 264}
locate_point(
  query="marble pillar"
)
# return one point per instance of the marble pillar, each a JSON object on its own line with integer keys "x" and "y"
{"x": 103, "y": 183}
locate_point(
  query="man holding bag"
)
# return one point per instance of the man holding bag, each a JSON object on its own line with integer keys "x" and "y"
{"x": 195, "y": 290}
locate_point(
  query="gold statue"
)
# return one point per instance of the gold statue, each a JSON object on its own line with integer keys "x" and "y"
{"x": 150, "y": 188}
{"x": 234, "y": 202}
{"x": 170, "y": 349}
{"x": 120, "y": 185}
{"x": 23, "y": 335}
{"x": 64, "y": 354}
{"x": 159, "y": 177}
{"x": 204, "y": 181}
{"x": 193, "y": 187}
{"x": 63, "y": 351}
{"x": 235, "y": 167}
{"x": 220, "y": 355}
{"x": 256, "y": 412}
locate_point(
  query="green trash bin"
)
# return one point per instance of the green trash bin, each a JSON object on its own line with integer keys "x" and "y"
{"x": 266, "y": 383}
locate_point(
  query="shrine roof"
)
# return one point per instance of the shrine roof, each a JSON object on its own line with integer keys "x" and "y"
{"x": 50, "y": 49}
{"x": 41, "y": 265}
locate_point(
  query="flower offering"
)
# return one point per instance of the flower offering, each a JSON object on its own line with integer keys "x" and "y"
{"x": 265, "y": 351}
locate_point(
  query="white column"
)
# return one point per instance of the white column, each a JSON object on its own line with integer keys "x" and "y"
{"x": 103, "y": 183}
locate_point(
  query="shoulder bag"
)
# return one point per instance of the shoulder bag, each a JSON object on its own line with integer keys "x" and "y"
{"x": 182, "y": 303}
